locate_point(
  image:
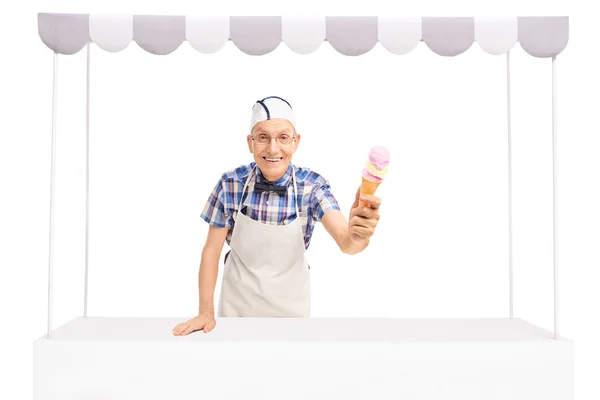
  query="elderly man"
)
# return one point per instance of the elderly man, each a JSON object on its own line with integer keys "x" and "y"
{"x": 266, "y": 211}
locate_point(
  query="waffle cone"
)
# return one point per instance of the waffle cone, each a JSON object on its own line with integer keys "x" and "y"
{"x": 367, "y": 187}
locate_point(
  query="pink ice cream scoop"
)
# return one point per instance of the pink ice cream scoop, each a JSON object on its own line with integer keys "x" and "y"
{"x": 377, "y": 166}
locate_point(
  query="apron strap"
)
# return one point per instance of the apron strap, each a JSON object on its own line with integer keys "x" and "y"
{"x": 237, "y": 209}
{"x": 295, "y": 193}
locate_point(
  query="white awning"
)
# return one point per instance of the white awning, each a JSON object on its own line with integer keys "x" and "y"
{"x": 352, "y": 36}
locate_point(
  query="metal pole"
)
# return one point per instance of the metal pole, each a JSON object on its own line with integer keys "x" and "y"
{"x": 87, "y": 178}
{"x": 52, "y": 175}
{"x": 510, "y": 235}
{"x": 554, "y": 195}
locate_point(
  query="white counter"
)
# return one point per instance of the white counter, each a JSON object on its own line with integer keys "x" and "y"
{"x": 129, "y": 358}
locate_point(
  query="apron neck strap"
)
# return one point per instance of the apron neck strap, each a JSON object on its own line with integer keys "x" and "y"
{"x": 295, "y": 193}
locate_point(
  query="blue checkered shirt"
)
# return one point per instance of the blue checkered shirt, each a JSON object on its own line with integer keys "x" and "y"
{"x": 314, "y": 200}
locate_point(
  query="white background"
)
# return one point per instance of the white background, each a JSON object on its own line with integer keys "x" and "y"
{"x": 163, "y": 129}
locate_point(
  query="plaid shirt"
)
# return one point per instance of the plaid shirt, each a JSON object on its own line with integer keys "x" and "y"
{"x": 314, "y": 197}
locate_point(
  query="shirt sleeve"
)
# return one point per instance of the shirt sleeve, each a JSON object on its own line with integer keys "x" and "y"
{"x": 322, "y": 200}
{"x": 214, "y": 209}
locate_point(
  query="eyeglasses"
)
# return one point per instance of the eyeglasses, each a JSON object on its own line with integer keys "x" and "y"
{"x": 281, "y": 139}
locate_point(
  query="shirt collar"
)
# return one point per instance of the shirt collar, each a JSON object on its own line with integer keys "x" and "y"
{"x": 283, "y": 181}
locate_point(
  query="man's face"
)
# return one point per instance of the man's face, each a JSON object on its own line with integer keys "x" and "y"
{"x": 272, "y": 146}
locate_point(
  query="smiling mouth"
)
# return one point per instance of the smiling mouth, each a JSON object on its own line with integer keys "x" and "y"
{"x": 272, "y": 160}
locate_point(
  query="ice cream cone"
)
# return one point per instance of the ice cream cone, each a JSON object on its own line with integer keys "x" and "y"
{"x": 367, "y": 187}
{"x": 374, "y": 171}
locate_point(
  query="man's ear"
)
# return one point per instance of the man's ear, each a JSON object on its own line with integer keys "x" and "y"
{"x": 296, "y": 142}
{"x": 250, "y": 142}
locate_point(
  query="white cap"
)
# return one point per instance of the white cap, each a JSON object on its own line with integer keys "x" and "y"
{"x": 272, "y": 107}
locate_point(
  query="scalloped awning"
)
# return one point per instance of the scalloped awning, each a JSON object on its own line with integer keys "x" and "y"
{"x": 352, "y": 36}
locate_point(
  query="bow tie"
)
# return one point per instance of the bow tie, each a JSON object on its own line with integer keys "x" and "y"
{"x": 269, "y": 187}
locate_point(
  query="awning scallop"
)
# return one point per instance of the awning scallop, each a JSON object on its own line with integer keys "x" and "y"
{"x": 399, "y": 35}
{"x": 64, "y": 33}
{"x": 303, "y": 35}
{"x": 207, "y": 34}
{"x": 352, "y": 36}
{"x": 496, "y": 35}
{"x": 448, "y": 36}
{"x": 256, "y": 36}
{"x": 112, "y": 33}
{"x": 158, "y": 34}
{"x": 543, "y": 36}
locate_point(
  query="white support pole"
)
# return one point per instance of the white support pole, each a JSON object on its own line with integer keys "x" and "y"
{"x": 510, "y": 235}
{"x": 554, "y": 195}
{"x": 87, "y": 178}
{"x": 52, "y": 175}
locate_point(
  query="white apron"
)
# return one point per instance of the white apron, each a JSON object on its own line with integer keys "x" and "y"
{"x": 266, "y": 273}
